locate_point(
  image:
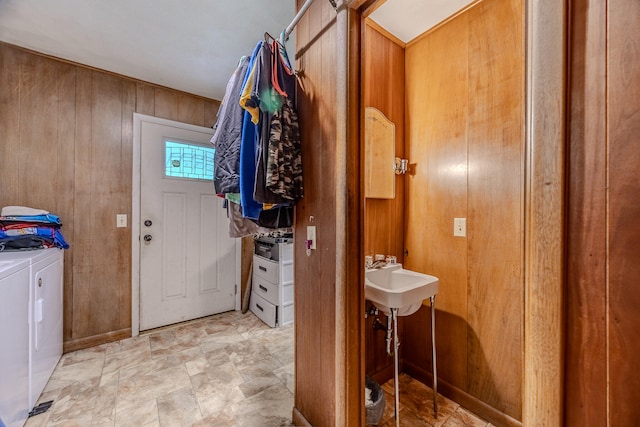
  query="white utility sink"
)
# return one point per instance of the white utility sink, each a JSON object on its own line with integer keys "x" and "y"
{"x": 392, "y": 286}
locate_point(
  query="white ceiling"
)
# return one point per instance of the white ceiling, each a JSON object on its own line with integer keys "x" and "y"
{"x": 189, "y": 45}
{"x": 407, "y": 19}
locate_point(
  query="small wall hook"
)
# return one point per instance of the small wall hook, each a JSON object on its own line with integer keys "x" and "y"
{"x": 401, "y": 166}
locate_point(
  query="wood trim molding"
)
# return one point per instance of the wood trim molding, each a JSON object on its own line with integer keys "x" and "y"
{"x": 95, "y": 340}
{"x": 544, "y": 213}
{"x": 373, "y": 24}
{"x": 299, "y": 419}
{"x": 461, "y": 397}
{"x": 342, "y": 190}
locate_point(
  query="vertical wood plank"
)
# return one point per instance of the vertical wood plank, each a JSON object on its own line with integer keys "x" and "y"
{"x": 128, "y": 99}
{"x": 190, "y": 110}
{"x": 38, "y": 130}
{"x": 165, "y": 103}
{"x": 82, "y": 198}
{"x": 623, "y": 86}
{"x": 315, "y": 275}
{"x": 544, "y": 214}
{"x": 437, "y": 112}
{"x": 11, "y": 61}
{"x": 586, "y": 299}
{"x": 65, "y": 143}
{"x": 495, "y": 204}
{"x": 145, "y": 99}
{"x": 98, "y": 279}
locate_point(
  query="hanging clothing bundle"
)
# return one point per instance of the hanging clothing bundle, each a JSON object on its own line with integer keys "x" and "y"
{"x": 258, "y": 161}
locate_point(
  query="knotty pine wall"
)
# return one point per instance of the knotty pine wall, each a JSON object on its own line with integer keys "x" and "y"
{"x": 66, "y": 147}
{"x": 602, "y": 384}
{"x": 465, "y": 134}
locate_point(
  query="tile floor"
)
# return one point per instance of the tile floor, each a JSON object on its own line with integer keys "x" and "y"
{"x": 416, "y": 407}
{"x": 225, "y": 370}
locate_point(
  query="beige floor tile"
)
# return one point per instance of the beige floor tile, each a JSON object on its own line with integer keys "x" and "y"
{"x": 179, "y": 408}
{"x": 225, "y": 370}
{"x": 141, "y": 388}
{"x": 143, "y": 413}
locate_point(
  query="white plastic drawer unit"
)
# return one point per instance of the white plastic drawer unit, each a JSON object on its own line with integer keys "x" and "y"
{"x": 267, "y": 290}
{"x": 263, "y": 309}
{"x": 272, "y": 286}
{"x": 266, "y": 269}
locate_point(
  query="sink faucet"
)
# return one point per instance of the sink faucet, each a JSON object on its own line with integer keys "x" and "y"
{"x": 380, "y": 261}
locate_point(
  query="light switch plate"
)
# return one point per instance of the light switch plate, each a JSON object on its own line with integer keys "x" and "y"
{"x": 121, "y": 220}
{"x": 311, "y": 236}
{"x": 460, "y": 227}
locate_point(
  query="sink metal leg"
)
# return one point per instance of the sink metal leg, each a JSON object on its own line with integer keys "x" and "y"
{"x": 433, "y": 356}
{"x": 396, "y": 345}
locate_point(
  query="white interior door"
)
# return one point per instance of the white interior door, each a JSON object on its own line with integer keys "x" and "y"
{"x": 187, "y": 260}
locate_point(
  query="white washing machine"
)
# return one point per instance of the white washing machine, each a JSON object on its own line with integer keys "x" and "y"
{"x": 44, "y": 284}
{"x": 14, "y": 341}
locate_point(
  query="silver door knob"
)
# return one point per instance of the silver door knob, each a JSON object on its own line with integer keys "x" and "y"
{"x": 148, "y": 223}
{"x": 147, "y": 237}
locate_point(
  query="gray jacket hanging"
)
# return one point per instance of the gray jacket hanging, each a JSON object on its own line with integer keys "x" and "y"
{"x": 228, "y": 135}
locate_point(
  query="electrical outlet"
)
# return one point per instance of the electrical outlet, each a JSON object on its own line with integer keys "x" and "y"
{"x": 121, "y": 220}
{"x": 460, "y": 227}
{"x": 311, "y": 236}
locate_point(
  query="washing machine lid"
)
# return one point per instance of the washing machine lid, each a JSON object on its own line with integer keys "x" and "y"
{"x": 31, "y": 256}
{"x": 8, "y": 266}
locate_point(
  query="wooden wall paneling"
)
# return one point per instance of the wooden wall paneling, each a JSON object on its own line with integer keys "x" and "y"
{"x": 349, "y": 354}
{"x": 165, "y": 103}
{"x": 246, "y": 268}
{"x": 211, "y": 113}
{"x": 190, "y": 109}
{"x": 437, "y": 192}
{"x": 383, "y": 88}
{"x": 544, "y": 213}
{"x": 81, "y": 245}
{"x": 10, "y": 66}
{"x": 99, "y": 277}
{"x": 333, "y": 124}
{"x": 302, "y": 302}
{"x": 315, "y": 275}
{"x": 145, "y": 99}
{"x": 495, "y": 220}
{"x": 586, "y": 350}
{"x": 67, "y": 136}
{"x": 66, "y": 122}
{"x": 38, "y": 124}
{"x": 37, "y": 109}
{"x": 129, "y": 95}
{"x": 623, "y": 87}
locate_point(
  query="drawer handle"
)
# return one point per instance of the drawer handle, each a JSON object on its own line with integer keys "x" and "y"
{"x": 262, "y": 268}
{"x": 261, "y": 309}
{"x": 263, "y": 288}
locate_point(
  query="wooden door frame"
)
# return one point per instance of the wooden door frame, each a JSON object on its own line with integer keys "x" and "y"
{"x": 135, "y": 214}
{"x": 545, "y": 170}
